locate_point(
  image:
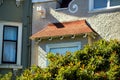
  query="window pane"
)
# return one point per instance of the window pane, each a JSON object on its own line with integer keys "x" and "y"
{"x": 65, "y": 3}
{"x": 9, "y": 52}
{"x": 114, "y": 2}
{"x": 10, "y": 33}
{"x": 100, "y": 4}
{"x": 62, "y": 50}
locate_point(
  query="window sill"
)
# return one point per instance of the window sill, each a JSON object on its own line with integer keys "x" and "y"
{"x": 103, "y": 10}
{"x": 10, "y": 66}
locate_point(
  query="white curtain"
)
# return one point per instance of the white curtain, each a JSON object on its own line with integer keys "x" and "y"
{"x": 10, "y": 33}
{"x": 63, "y": 50}
{"x": 9, "y": 51}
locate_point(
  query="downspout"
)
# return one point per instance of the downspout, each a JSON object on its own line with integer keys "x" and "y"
{"x": 30, "y": 29}
{"x": 89, "y": 39}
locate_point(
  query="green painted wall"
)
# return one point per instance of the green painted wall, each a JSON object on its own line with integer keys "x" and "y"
{"x": 10, "y": 12}
{"x": 27, "y": 23}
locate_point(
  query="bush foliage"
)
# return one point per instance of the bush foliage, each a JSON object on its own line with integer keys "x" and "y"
{"x": 6, "y": 76}
{"x": 100, "y": 61}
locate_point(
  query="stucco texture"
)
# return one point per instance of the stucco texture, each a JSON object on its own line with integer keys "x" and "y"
{"x": 106, "y": 23}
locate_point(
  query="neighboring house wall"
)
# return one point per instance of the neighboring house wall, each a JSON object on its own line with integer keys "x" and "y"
{"x": 105, "y": 22}
{"x": 20, "y": 16}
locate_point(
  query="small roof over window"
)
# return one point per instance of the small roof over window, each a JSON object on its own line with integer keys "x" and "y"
{"x": 63, "y": 29}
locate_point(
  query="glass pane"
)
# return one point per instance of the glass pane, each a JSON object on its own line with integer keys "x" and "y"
{"x": 10, "y": 33}
{"x": 64, "y": 3}
{"x": 60, "y": 1}
{"x": 63, "y": 50}
{"x": 100, "y": 4}
{"x": 9, "y": 52}
{"x": 114, "y": 2}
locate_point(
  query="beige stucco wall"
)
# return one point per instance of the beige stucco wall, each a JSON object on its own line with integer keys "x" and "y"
{"x": 105, "y": 23}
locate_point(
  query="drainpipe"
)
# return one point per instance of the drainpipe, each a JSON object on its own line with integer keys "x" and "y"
{"x": 89, "y": 39}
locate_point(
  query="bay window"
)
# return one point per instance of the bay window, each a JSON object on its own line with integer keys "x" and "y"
{"x": 103, "y": 4}
{"x": 62, "y": 48}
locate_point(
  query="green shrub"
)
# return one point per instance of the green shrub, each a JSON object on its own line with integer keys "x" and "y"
{"x": 6, "y": 76}
{"x": 100, "y": 61}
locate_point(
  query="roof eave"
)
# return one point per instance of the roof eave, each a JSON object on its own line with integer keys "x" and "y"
{"x": 58, "y": 36}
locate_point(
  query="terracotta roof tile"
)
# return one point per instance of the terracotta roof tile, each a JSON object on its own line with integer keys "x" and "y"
{"x": 62, "y": 29}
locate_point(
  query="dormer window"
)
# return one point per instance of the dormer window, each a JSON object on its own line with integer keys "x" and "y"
{"x": 63, "y": 3}
{"x": 104, "y": 4}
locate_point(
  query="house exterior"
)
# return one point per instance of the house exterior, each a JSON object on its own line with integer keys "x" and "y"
{"x": 15, "y": 29}
{"x": 55, "y": 27}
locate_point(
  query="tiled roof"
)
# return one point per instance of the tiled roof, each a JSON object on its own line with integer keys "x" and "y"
{"x": 63, "y": 29}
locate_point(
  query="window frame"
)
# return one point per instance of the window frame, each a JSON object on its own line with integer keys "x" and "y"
{"x": 91, "y": 6}
{"x": 16, "y": 41}
{"x": 19, "y": 46}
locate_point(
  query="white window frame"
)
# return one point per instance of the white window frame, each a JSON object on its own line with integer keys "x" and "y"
{"x": 58, "y": 45}
{"x": 19, "y": 46}
{"x": 91, "y": 6}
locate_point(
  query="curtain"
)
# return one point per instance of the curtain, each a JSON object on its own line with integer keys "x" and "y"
{"x": 10, "y": 33}
{"x": 9, "y": 51}
{"x": 9, "y": 44}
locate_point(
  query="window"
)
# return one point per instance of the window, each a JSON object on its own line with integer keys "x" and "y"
{"x": 63, "y": 3}
{"x": 10, "y": 44}
{"x": 100, "y": 4}
{"x": 62, "y": 48}
{"x": 10, "y": 39}
{"x": 114, "y": 2}
{"x": 104, "y": 4}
